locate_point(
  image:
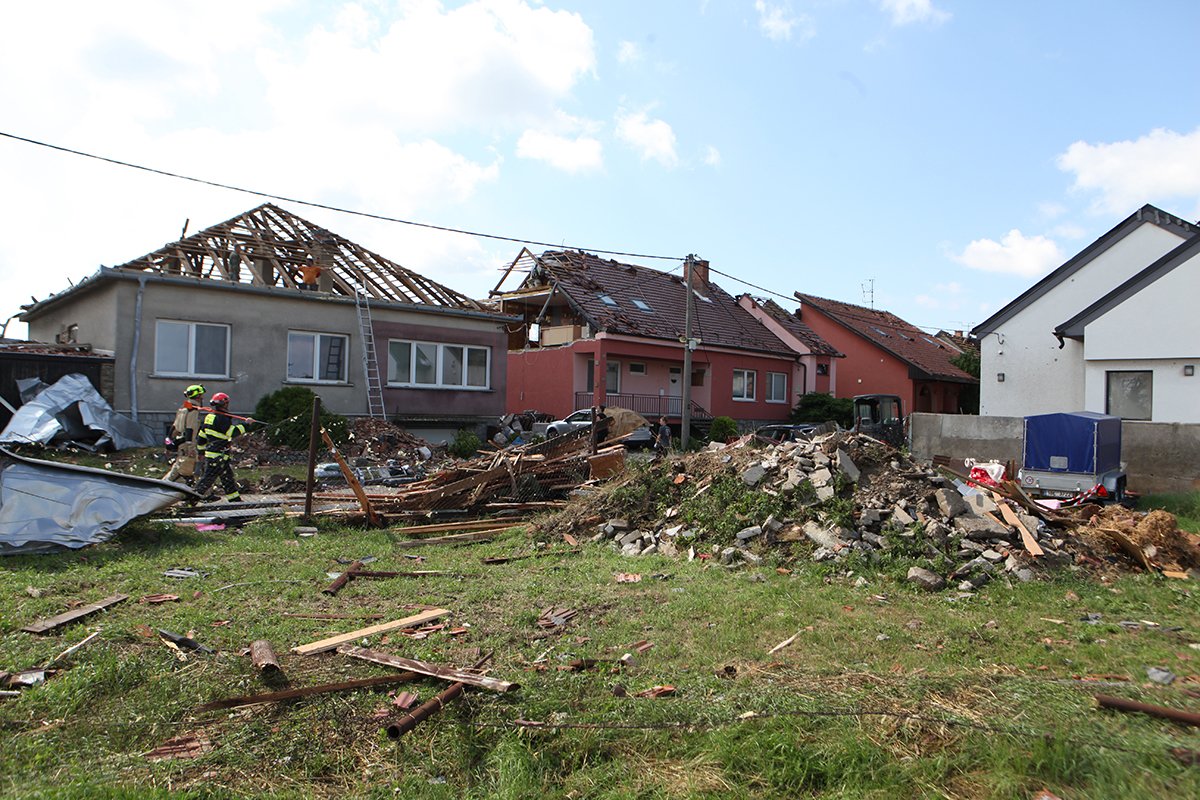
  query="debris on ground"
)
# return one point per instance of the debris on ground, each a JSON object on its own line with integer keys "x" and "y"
{"x": 844, "y": 495}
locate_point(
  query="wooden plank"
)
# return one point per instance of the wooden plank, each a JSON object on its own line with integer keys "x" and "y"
{"x": 43, "y": 625}
{"x": 445, "y": 527}
{"x": 456, "y": 538}
{"x": 432, "y": 670}
{"x": 1011, "y": 518}
{"x": 334, "y": 642}
{"x": 292, "y": 694}
{"x": 372, "y": 517}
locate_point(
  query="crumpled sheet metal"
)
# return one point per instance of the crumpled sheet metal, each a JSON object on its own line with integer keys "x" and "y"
{"x": 46, "y": 506}
{"x": 72, "y": 407}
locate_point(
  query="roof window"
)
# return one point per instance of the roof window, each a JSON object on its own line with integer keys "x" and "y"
{"x": 643, "y": 305}
{"x": 880, "y": 332}
{"x": 608, "y": 301}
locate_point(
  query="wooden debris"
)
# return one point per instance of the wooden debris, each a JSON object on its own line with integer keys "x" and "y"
{"x": 308, "y": 691}
{"x": 1010, "y": 516}
{"x": 186, "y": 746}
{"x": 348, "y": 474}
{"x": 1162, "y": 712}
{"x": 456, "y": 538}
{"x": 155, "y": 599}
{"x": 341, "y": 580}
{"x": 656, "y": 691}
{"x": 555, "y": 617}
{"x": 432, "y": 670}
{"x": 299, "y": 615}
{"x": 409, "y": 721}
{"x": 44, "y": 625}
{"x": 783, "y": 644}
{"x": 263, "y": 656}
{"x": 334, "y": 642}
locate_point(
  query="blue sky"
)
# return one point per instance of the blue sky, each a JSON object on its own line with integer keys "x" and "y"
{"x": 953, "y": 152}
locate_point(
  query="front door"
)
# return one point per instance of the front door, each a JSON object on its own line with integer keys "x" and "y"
{"x": 675, "y": 392}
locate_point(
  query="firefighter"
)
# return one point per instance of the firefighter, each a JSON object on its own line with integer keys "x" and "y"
{"x": 217, "y": 431}
{"x": 182, "y": 439}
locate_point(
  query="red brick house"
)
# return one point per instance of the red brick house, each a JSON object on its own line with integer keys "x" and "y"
{"x": 597, "y": 331}
{"x": 886, "y": 355}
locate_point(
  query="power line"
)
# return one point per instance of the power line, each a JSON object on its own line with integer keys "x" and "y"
{"x": 338, "y": 209}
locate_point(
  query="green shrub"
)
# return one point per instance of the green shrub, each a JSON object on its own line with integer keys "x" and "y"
{"x": 288, "y": 414}
{"x": 722, "y": 428}
{"x": 465, "y": 443}
{"x": 818, "y": 407}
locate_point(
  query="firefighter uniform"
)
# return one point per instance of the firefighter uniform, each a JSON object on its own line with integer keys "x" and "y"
{"x": 217, "y": 430}
{"x": 184, "y": 431}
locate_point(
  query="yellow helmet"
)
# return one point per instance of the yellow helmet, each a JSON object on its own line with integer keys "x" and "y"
{"x": 194, "y": 391}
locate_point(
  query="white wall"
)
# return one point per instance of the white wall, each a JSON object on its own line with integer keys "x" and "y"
{"x": 1176, "y": 397}
{"x": 1039, "y": 376}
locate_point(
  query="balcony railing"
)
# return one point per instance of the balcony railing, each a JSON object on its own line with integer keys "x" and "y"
{"x": 650, "y": 406}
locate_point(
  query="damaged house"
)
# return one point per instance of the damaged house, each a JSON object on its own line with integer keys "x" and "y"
{"x": 886, "y": 355}
{"x": 224, "y": 307}
{"x": 598, "y": 331}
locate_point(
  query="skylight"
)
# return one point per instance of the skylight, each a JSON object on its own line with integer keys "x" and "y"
{"x": 643, "y": 305}
{"x": 608, "y": 301}
{"x": 881, "y": 333}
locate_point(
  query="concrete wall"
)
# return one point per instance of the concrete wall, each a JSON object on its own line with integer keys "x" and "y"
{"x": 1159, "y": 457}
{"x": 1039, "y": 377}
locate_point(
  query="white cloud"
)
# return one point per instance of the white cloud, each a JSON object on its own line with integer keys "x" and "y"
{"x": 712, "y": 156}
{"x": 628, "y": 53}
{"x": 652, "y": 138}
{"x": 777, "y": 22}
{"x": 578, "y": 154}
{"x": 1014, "y": 254}
{"x": 1162, "y": 165}
{"x": 905, "y": 12}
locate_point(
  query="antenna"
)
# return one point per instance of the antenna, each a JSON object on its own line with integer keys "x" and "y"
{"x": 868, "y": 291}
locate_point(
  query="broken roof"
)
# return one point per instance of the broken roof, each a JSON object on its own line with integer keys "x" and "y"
{"x": 795, "y": 326}
{"x": 267, "y": 246}
{"x": 922, "y": 352}
{"x": 1145, "y": 214}
{"x": 638, "y": 301}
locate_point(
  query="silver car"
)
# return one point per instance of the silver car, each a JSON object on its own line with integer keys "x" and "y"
{"x": 641, "y": 437}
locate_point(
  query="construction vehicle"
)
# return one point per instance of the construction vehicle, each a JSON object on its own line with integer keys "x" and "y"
{"x": 881, "y": 417}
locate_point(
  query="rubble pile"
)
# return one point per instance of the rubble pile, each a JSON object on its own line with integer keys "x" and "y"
{"x": 845, "y": 494}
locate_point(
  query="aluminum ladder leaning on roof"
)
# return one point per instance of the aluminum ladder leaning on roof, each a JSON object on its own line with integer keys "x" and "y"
{"x": 362, "y": 302}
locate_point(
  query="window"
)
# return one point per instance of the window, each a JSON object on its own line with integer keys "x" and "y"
{"x": 880, "y": 332}
{"x": 612, "y": 377}
{"x": 194, "y": 349}
{"x": 637, "y": 368}
{"x": 1130, "y": 395}
{"x": 429, "y": 364}
{"x": 822, "y": 369}
{"x": 777, "y": 387}
{"x": 608, "y": 301}
{"x": 643, "y": 305}
{"x": 743, "y": 384}
{"x": 318, "y": 357}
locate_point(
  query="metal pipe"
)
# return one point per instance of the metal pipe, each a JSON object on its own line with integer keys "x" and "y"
{"x": 133, "y": 356}
{"x": 310, "y": 481}
{"x": 263, "y": 657}
{"x": 1162, "y": 712}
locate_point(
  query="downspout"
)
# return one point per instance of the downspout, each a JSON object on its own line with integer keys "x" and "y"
{"x": 133, "y": 358}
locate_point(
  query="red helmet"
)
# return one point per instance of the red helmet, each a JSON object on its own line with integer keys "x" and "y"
{"x": 220, "y": 399}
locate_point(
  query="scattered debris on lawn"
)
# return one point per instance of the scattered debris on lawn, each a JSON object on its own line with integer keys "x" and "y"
{"x": 49, "y": 624}
{"x": 844, "y": 493}
{"x": 191, "y": 745}
{"x": 552, "y": 617}
{"x": 263, "y": 657}
{"x": 333, "y": 642}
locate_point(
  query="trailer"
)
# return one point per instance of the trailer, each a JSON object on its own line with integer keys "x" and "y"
{"x": 1071, "y": 453}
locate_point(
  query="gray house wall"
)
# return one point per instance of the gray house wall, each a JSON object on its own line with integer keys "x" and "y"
{"x": 259, "y": 320}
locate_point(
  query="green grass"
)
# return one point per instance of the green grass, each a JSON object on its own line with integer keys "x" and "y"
{"x": 1184, "y": 505}
{"x": 886, "y": 692}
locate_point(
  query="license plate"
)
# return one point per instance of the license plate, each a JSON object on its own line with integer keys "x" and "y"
{"x": 1057, "y": 493}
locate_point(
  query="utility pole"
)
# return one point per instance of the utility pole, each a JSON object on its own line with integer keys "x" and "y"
{"x": 689, "y": 264}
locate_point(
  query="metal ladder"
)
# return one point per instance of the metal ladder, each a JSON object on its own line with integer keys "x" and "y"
{"x": 362, "y": 303}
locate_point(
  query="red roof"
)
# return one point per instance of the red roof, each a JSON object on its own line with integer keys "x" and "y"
{"x": 792, "y": 323}
{"x": 649, "y": 303}
{"x": 888, "y": 332}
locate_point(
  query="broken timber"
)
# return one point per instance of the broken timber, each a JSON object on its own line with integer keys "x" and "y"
{"x": 433, "y": 670}
{"x": 292, "y": 694}
{"x": 455, "y": 538}
{"x": 263, "y": 656}
{"x": 43, "y": 625}
{"x": 334, "y": 642}
{"x": 348, "y": 473}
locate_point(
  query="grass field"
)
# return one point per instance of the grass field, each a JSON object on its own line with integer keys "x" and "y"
{"x": 885, "y": 692}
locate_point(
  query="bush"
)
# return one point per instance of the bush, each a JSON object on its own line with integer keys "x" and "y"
{"x": 818, "y": 408}
{"x": 723, "y": 428}
{"x": 465, "y": 443}
{"x": 288, "y": 414}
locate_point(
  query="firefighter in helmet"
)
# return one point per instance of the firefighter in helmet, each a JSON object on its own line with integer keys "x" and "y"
{"x": 217, "y": 431}
{"x": 182, "y": 439}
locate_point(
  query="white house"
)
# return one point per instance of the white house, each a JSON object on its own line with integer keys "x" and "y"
{"x": 1113, "y": 330}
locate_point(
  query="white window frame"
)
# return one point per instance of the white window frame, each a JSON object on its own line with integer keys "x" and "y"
{"x": 770, "y": 381}
{"x": 637, "y": 368}
{"x": 316, "y": 363}
{"x": 191, "y": 372}
{"x": 409, "y": 381}
{"x": 612, "y": 371}
{"x": 749, "y": 378}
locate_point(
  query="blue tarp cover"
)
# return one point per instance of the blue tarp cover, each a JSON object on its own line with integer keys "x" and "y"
{"x": 1078, "y": 441}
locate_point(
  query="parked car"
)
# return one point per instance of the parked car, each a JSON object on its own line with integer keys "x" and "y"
{"x": 787, "y": 432}
{"x": 641, "y": 435}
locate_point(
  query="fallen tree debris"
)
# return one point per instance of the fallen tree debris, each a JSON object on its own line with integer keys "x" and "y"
{"x": 49, "y": 624}
{"x": 333, "y": 642}
{"x": 1162, "y": 712}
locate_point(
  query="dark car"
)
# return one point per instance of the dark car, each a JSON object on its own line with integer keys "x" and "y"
{"x": 787, "y": 432}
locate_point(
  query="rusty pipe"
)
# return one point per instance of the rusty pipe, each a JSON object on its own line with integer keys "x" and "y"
{"x": 1162, "y": 712}
{"x": 343, "y": 579}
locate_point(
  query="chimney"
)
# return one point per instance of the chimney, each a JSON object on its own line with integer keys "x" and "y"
{"x": 958, "y": 334}
{"x": 701, "y": 271}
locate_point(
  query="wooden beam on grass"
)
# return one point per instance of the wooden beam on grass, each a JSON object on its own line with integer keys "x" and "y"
{"x": 334, "y": 642}
{"x": 432, "y": 670}
{"x": 308, "y": 691}
{"x": 49, "y": 624}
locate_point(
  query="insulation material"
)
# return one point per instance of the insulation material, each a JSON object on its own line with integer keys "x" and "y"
{"x": 72, "y": 410}
{"x": 46, "y": 506}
